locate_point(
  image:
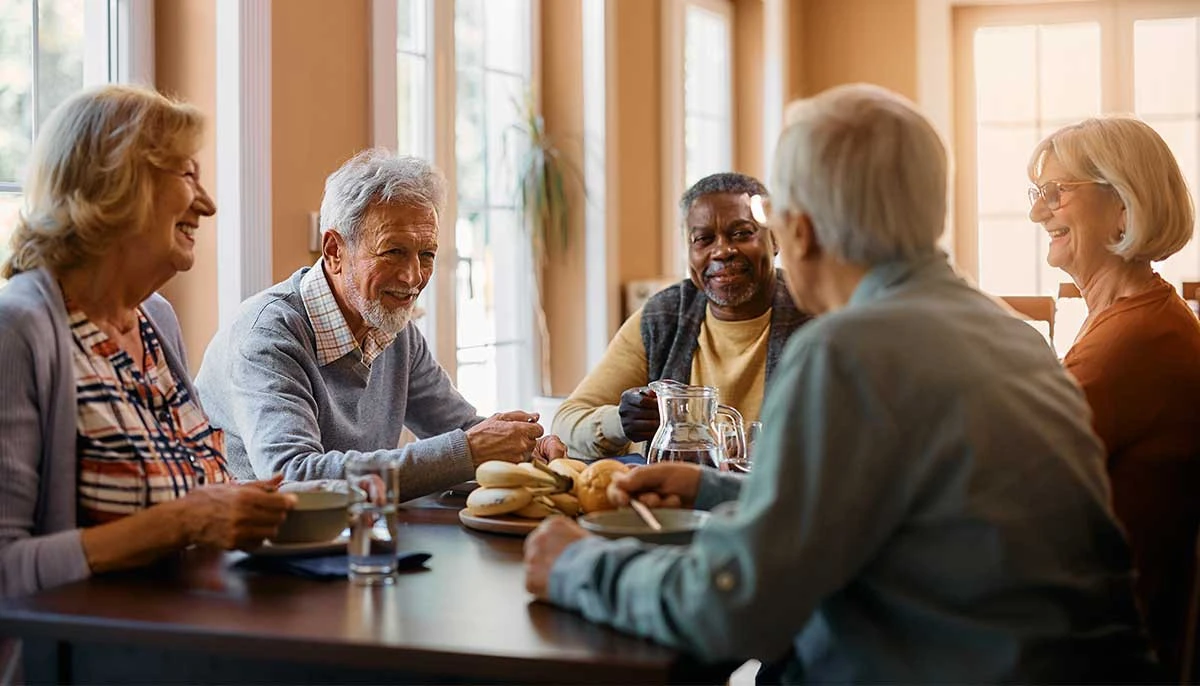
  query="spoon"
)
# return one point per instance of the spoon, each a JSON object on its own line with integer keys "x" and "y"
{"x": 646, "y": 515}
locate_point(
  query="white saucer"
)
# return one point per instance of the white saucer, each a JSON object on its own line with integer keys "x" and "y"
{"x": 269, "y": 549}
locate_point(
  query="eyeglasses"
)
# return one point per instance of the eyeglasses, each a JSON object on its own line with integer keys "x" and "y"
{"x": 1051, "y": 192}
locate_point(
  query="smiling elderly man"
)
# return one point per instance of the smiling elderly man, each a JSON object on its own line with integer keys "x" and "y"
{"x": 324, "y": 364}
{"x": 725, "y": 326}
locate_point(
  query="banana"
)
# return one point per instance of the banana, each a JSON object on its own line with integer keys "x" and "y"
{"x": 488, "y": 502}
{"x": 565, "y": 503}
{"x": 563, "y": 467}
{"x": 500, "y": 474}
{"x": 537, "y": 509}
{"x": 543, "y": 478}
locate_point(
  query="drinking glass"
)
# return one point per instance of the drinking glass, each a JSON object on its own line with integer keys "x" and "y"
{"x": 374, "y": 500}
{"x": 735, "y": 461}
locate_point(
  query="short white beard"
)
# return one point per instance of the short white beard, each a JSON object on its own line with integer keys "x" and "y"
{"x": 388, "y": 322}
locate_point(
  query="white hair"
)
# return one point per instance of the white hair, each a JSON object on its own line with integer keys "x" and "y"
{"x": 378, "y": 176}
{"x": 868, "y": 170}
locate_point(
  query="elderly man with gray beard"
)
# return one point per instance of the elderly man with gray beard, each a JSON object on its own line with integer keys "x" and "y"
{"x": 725, "y": 326}
{"x": 324, "y": 365}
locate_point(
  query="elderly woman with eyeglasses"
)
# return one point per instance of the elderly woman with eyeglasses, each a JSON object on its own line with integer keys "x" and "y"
{"x": 107, "y": 460}
{"x": 1112, "y": 200}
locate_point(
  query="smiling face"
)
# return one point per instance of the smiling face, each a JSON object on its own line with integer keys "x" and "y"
{"x": 179, "y": 202}
{"x": 381, "y": 276}
{"x": 1090, "y": 217}
{"x": 730, "y": 255}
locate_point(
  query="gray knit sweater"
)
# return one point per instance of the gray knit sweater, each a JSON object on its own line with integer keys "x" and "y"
{"x": 283, "y": 413}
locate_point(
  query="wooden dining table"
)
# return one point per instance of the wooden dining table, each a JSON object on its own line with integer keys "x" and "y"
{"x": 200, "y": 617}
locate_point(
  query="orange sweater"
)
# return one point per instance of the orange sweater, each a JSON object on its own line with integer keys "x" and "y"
{"x": 1139, "y": 364}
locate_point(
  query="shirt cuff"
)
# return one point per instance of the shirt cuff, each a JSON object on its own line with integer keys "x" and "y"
{"x": 716, "y": 488}
{"x": 610, "y": 436}
{"x": 573, "y": 572}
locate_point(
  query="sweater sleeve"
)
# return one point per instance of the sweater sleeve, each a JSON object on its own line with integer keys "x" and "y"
{"x": 27, "y": 562}
{"x": 588, "y": 421}
{"x": 271, "y": 395}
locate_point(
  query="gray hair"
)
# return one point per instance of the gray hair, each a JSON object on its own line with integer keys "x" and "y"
{"x": 723, "y": 182}
{"x": 868, "y": 170}
{"x": 378, "y": 176}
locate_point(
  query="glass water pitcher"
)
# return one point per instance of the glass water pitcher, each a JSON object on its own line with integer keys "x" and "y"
{"x": 687, "y": 429}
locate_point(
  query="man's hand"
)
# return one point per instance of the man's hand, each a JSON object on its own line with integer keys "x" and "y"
{"x": 543, "y": 548}
{"x": 241, "y": 515}
{"x": 549, "y": 448}
{"x": 639, "y": 414}
{"x": 664, "y": 484}
{"x": 508, "y": 436}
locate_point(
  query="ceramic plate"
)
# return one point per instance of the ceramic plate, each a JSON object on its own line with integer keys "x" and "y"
{"x": 678, "y": 525}
{"x": 269, "y": 549}
{"x": 504, "y": 524}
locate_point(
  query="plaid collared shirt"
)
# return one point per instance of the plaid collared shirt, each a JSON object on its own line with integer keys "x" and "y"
{"x": 141, "y": 438}
{"x": 334, "y": 338}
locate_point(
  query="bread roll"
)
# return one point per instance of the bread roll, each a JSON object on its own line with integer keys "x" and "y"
{"x": 592, "y": 485}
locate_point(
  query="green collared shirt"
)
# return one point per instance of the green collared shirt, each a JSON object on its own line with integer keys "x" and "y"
{"x": 928, "y": 504}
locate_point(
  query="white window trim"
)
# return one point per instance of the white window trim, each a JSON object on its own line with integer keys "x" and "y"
{"x": 244, "y": 229}
{"x": 441, "y": 323}
{"x": 674, "y": 166}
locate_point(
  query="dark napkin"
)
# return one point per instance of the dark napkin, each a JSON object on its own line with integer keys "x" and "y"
{"x": 325, "y": 567}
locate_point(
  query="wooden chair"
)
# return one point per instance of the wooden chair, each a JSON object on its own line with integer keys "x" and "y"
{"x": 1069, "y": 290}
{"x": 1191, "y": 293}
{"x": 1038, "y": 308}
{"x": 10, "y": 661}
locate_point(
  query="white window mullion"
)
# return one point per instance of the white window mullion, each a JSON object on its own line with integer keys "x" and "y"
{"x": 442, "y": 328}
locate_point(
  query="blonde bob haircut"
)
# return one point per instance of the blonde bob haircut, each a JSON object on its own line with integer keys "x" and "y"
{"x": 1129, "y": 156}
{"x": 91, "y": 177}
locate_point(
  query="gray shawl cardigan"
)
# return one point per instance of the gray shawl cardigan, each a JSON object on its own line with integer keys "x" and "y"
{"x": 40, "y": 542}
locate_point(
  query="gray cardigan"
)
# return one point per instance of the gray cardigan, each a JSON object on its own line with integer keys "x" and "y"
{"x": 40, "y": 542}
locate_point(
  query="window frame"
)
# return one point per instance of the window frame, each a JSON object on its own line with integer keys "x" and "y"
{"x": 674, "y": 120}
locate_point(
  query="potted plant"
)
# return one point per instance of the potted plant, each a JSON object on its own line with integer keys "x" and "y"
{"x": 544, "y": 206}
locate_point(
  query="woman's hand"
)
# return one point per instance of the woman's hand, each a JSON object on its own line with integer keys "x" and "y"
{"x": 665, "y": 484}
{"x": 235, "y": 516}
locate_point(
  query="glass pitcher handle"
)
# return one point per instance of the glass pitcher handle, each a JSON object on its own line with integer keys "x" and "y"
{"x": 739, "y": 430}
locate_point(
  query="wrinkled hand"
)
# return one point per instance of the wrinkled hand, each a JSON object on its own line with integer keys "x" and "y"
{"x": 236, "y": 516}
{"x": 665, "y": 484}
{"x": 543, "y": 548}
{"x": 508, "y": 436}
{"x": 550, "y": 448}
{"x": 639, "y": 414}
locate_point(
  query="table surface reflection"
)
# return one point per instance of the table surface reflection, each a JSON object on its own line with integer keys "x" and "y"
{"x": 468, "y": 615}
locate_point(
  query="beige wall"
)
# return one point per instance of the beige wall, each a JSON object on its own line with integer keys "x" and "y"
{"x": 320, "y": 111}
{"x": 185, "y": 66}
{"x": 562, "y": 106}
{"x": 748, "y": 87}
{"x": 845, "y": 41}
{"x": 638, "y": 159}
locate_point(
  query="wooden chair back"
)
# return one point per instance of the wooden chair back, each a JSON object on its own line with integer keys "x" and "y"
{"x": 1038, "y": 308}
{"x": 1069, "y": 290}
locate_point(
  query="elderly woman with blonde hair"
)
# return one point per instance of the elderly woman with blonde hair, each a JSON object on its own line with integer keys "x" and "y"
{"x": 1112, "y": 199}
{"x": 107, "y": 460}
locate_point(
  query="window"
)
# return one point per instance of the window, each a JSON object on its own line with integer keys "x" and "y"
{"x": 1025, "y": 71}
{"x": 48, "y": 50}
{"x": 707, "y": 91}
{"x": 493, "y": 68}
{"x": 451, "y": 85}
{"x": 697, "y": 104}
